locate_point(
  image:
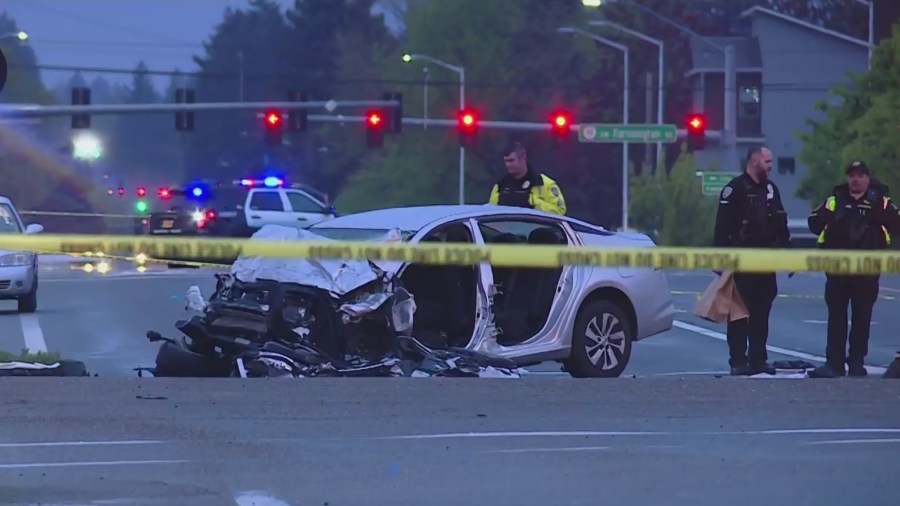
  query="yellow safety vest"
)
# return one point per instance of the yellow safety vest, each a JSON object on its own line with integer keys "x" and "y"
{"x": 831, "y": 203}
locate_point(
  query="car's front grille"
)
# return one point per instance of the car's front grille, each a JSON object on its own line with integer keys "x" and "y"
{"x": 4, "y": 284}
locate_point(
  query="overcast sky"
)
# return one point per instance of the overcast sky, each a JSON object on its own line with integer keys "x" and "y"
{"x": 118, "y": 33}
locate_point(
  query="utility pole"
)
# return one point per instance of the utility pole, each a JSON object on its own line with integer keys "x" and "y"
{"x": 730, "y": 127}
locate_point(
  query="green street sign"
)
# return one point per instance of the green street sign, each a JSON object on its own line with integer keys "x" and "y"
{"x": 615, "y": 133}
{"x": 712, "y": 183}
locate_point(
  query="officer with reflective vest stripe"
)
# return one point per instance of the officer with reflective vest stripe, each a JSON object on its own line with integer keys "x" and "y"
{"x": 524, "y": 187}
{"x": 751, "y": 215}
{"x": 858, "y": 214}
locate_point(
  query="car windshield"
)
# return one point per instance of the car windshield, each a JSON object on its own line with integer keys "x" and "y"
{"x": 8, "y": 222}
{"x": 355, "y": 234}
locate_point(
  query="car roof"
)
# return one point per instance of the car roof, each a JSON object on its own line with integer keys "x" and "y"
{"x": 415, "y": 218}
{"x": 6, "y": 200}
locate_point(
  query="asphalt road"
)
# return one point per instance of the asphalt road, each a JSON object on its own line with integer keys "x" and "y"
{"x": 645, "y": 441}
{"x": 102, "y": 319}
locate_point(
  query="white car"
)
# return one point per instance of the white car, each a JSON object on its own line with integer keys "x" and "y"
{"x": 585, "y": 317}
{"x": 18, "y": 269}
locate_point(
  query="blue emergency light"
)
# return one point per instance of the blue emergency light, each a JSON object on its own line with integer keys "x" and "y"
{"x": 272, "y": 182}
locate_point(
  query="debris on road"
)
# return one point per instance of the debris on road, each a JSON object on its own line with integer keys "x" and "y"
{"x": 59, "y": 368}
{"x": 302, "y": 318}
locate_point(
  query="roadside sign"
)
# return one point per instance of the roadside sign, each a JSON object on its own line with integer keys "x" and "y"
{"x": 712, "y": 183}
{"x": 615, "y": 133}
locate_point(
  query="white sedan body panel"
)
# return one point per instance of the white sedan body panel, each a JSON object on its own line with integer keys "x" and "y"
{"x": 645, "y": 292}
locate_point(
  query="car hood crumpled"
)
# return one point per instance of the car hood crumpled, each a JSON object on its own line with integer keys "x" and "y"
{"x": 337, "y": 276}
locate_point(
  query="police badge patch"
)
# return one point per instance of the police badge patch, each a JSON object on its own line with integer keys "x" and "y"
{"x": 526, "y": 184}
{"x": 726, "y": 192}
{"x": 555, "y": 191}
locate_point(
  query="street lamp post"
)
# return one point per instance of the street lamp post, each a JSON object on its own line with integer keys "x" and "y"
{"x": 871, "y": 5}
{"x": 625, "y": 120}
{"x": 462, "y": 105}
{"x": 729, "y": 136}
{"x": 660, "y": 78}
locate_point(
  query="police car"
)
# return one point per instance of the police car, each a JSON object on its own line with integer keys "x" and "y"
{"x": 237, "y": 208}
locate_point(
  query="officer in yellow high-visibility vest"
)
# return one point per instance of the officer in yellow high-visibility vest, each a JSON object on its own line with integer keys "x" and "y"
{"x": 858, "y": 214}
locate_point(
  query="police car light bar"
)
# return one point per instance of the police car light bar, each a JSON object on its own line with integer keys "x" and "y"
{"x": 269, "y": 182}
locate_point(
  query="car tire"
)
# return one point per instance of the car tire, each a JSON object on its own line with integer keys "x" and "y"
{"x": 601, "y": 341}
{"x": 28, "y": 303}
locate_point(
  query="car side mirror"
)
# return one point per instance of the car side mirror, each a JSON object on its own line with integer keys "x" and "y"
{"x": 34, "y": 228}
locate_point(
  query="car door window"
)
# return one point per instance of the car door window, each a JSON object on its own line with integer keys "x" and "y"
{"x": 266, "y": 201}
{"x": 522, "y": 232}
{"x": 301, "y": 203}
{"x": 8, "y": 222}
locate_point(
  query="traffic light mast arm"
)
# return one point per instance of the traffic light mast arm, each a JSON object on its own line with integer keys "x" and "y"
{"x": 65, "y": 110}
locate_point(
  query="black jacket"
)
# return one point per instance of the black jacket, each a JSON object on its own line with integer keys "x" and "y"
{"x": 845, "y": 222}
{"x": 751, "y": 215}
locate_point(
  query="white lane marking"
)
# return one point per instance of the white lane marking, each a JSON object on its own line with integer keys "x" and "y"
{"x": 889, "y": 289}
{"x": 565, "y": 433}
{"x": 830, "y": 431}
{"x": 538, "y": 450}
{"x": 31, "y": 330}
{"x": 258, "y": 499}
{"x": 825, "y": 322}
{"x": 89, "y": 463}
{"x": 577, "y": 433}
{"x": 79, "y": 443}
{"x": 851, "y": 441}
{"x": 873, "y": 369}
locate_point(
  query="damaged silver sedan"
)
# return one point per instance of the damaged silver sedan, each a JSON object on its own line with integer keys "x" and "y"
{"x": 312, "y": 318}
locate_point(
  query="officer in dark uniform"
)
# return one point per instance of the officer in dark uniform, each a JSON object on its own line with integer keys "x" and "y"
{"x": 857, "y": 215}
{"x": 751, "y": 215}
{"x": 525, "y": 187}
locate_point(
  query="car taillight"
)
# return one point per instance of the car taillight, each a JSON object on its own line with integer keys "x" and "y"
{"x": 210, "y": 215}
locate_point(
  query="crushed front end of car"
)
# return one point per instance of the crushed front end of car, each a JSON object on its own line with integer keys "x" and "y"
{"x": 308, "y": 318}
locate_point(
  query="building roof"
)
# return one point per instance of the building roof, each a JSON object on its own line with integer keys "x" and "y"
{"x": 747, "y": 53}
{"x": 707, "y": 59}
{"x": 803, "y": 24}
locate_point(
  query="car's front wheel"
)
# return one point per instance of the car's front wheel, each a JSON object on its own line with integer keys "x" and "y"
{"x": 601, "y": 341}
{"x": 28, "y": 302}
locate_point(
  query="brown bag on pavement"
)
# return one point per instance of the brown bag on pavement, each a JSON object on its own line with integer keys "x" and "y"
{"x": 721, "y": 302}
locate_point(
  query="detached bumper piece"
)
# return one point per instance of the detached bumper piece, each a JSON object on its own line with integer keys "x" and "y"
{"x": 60, "y": 368}
{"x": 267, "y": 328}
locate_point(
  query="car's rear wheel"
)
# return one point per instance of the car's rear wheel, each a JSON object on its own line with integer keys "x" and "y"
{"x": 601, "y": 341}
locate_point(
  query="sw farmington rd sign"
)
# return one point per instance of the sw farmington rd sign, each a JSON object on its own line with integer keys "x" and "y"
{"x": 616, "y": 133}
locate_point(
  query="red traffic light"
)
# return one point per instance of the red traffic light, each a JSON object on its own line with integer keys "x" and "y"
{"x": 273, "y": 119}
{"x": 374, "y": 119}
{"x": 696, "y": 123}
{"x": 121, "y": 191}
{"x": 561, "y": 122}
{"x": 468, "y": 120}
{"x": 141, "y": 191}
{"x": 164, "y": 193}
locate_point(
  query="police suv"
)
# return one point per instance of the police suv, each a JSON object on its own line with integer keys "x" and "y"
{"x": 237, "y": 208}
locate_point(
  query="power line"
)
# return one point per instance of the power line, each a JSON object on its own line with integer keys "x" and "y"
{"x": 823, "y": 86}
{"x": 72, "y": 15}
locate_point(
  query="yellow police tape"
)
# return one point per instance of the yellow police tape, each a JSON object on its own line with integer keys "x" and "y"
{"x": 505, "y": 255}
